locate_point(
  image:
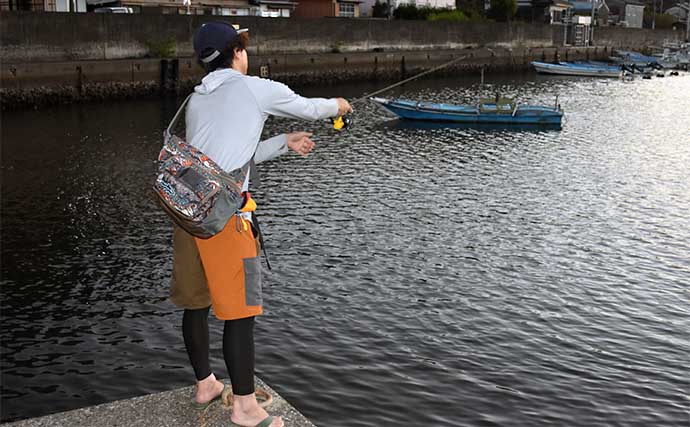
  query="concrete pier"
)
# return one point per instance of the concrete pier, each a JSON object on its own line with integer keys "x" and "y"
{"x": 170, "y": 408}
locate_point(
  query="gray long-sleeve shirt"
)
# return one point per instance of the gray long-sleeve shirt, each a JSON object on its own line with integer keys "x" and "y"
{"x": 226, "y": 115}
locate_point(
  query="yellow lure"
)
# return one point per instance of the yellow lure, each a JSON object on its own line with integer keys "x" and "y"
{"x": 339, "y": 123}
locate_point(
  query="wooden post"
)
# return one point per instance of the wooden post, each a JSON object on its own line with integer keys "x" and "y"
{"x": 169, "y": 77}
{"x": 80, "y": 80}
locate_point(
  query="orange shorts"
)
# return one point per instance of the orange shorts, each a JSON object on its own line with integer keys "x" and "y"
{"x": 224, "y": 271}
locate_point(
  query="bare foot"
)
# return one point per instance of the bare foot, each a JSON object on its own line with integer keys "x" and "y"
{"x": 247, "y": 412}
{"x": 208, "y": 389}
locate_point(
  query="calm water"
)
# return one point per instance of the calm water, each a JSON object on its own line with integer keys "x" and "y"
{"x": 422, "y": 276}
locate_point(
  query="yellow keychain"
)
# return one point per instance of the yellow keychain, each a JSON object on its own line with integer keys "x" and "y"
{"x": 249, "y": 205}
{"x": 340, "y": 123}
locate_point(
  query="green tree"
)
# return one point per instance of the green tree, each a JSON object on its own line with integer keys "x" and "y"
{"x": 474, "y": 9}
{"x": 502, "y": 10}
{"x": 380, "y": 9}
{"x": 411, "y": 11}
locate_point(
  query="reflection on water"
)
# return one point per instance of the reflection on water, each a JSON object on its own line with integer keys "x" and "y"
{"x": 394, "y": 124}
{"x": 423, "y": 274}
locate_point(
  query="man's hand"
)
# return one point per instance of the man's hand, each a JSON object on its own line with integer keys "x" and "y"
{"x": 344, "y": 107}
{"x": 300, "y": 143}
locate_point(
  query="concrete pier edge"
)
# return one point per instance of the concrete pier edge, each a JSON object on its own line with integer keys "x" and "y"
{"x": 33, "y": 85}
{"x": 167, "y": 409}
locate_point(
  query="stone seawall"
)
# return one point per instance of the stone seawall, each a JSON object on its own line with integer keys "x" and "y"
{"x": 39, "y": 37}
{"x": 50, "y": 58}
{"x": 30, "y": 85}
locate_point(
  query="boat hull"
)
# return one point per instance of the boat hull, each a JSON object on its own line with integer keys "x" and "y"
{"x": 576, "y": 70}
{"x": 526, "y": 115}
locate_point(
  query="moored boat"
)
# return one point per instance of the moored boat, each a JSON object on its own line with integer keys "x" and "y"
{"x": 577, "y": 69}
{"x": 675, "y": 56}
{"x": 503, "y": 110}
{"x": 633, "y": 58}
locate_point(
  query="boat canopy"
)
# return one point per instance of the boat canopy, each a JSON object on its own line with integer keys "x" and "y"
{"x": 503, "y": 105}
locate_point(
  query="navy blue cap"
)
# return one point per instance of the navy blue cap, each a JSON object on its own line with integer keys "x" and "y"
{"x": 212, "y": 38}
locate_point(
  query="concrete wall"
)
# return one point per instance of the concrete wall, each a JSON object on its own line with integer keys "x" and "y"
{"x": 34, "y": 37}
{"x": 620, "y": 37}
{"x": 41, "y": 37}
{"x": 66, "y": 57}
{"x": 35, "y": 84}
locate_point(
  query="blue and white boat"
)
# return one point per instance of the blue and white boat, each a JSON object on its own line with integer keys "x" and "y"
{"x": 578, "y": 69}
{"x": 504, "y": 111}
{"x": 633, "y": 58}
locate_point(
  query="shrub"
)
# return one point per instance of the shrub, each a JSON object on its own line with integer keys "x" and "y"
{"x": 162, "y": 48}
{"x": 662, "y": 20}
{"x": 448, "y": 15}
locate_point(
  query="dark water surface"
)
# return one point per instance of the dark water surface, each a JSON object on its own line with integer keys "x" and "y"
{"x": 436, "y": 276}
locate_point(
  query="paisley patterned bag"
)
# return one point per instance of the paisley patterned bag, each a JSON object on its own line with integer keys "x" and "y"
{"x": 192, "y": 189}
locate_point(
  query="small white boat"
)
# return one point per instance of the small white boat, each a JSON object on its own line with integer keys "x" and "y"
{"x": 577, "y": 69}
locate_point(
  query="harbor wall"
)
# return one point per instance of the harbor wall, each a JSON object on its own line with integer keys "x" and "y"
{"x": 637, "y": 38}
{"x": 50, "y": 58}
{"x": 38, "y": 37}
{"x": 41, "y": 37}
{"x": 36, "y": 84}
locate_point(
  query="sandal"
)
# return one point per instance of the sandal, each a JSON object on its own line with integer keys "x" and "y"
{"x": 203, "y": 406}
{"x": 265, "y": 423}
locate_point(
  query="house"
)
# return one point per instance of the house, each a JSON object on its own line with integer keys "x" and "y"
{"x": 366, "y": 6}
{"x": 436, "y": 4}
{"x": 680, "y": 16}
{"x": 265, "y": 8}
{"x": 274, "y": 8}
{"x": 585, "y": 7}
{"x": 558, "y": 10}
{"x": 628, "y": 13}
{"x": 543, "y": 11}
{"x": 321, "y": 8}
{"x": 677, "y": 12}
{"x": 44, "y": 5}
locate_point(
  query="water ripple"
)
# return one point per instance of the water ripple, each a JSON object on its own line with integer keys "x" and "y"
{"x": 427, "y": 275}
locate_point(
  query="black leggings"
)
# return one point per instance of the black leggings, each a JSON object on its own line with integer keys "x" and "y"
{"x": 238, "y": 348}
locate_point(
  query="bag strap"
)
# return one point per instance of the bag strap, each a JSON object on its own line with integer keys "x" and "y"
{"x": 254, "y": 174}
{"x": 176, "y": 117}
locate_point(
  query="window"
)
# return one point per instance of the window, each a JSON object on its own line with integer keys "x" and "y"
{"x": 347, "y": 10}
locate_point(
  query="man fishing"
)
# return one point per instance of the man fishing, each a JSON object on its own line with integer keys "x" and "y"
{"x": 225, "y": 119}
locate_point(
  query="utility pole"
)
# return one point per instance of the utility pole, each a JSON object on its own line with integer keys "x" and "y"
{"x": 591, "y": 26}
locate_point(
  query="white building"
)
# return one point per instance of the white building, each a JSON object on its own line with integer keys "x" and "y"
{"x": 70, "y": 5}
{"x": 440, "y": 4}
{"x": 365, "y": 8}
{"x": 366, "y": 5}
